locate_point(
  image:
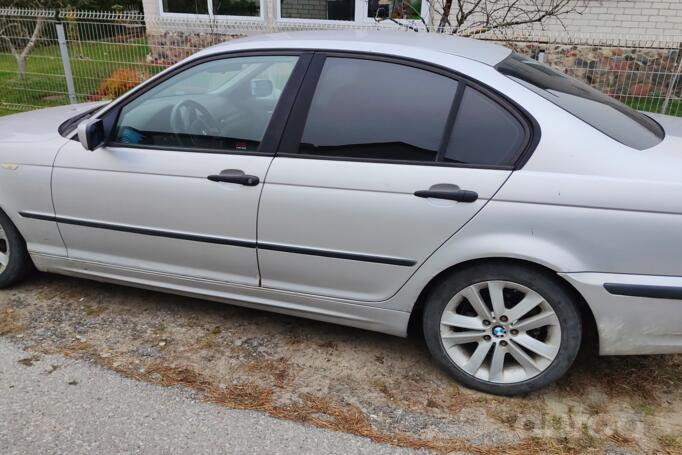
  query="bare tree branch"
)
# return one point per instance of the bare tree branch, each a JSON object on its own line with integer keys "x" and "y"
{"x": 471, "y": 17}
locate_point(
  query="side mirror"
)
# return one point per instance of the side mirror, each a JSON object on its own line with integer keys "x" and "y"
{"x": 91, "y": 133}
{"x": 261, "y": 88}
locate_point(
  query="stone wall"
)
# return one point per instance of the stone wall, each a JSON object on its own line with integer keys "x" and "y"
{"x": 168, "y": 48}
{"x": 617, "y": 71}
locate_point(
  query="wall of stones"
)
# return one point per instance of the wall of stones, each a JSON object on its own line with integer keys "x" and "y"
{"x": 168, "y": 48}
{"x": 625, "y": 73}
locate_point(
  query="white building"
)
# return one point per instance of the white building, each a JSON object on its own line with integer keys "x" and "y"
{"x": 612, "y": 17}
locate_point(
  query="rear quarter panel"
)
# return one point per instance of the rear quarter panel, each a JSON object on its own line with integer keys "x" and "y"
{"x": 594, "y": 211}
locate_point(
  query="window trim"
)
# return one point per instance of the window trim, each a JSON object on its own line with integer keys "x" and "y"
{"x": 274, "y": 129}
{"x": 361, "y": 17}
{"x": 209, "y": 15}
{"x": 289, "y": 146}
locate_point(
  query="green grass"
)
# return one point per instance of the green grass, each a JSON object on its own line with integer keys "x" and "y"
{"x": 656, "y": 105}
{"x": 45, "y": 84}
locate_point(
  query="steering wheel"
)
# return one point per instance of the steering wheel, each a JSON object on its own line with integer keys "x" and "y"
{"x": 190, "y": 121}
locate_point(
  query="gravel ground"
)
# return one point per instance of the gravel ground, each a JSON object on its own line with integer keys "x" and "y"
{"x": 53, "y": 405}
{"x": 372, "y": 385}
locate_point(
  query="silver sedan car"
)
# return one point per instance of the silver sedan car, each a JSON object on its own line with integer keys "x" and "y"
{"x": 374, "y": 180}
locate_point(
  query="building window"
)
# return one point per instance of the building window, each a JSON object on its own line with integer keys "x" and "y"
{"x": 336, "y": 10}
{"x": 185, "y": 6}
{"x": 394, "y": 9}
{"x": 236, "y": 7}
{"x": 354, "y": 10}
{"x": 247, "y": 8}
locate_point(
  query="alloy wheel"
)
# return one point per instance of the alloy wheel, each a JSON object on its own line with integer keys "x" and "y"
{"x": 500, "y": 332}
{"x": 4, "y": 250}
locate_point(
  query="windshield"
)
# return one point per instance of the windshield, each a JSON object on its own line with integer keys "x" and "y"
{"x": 604, "y": 113}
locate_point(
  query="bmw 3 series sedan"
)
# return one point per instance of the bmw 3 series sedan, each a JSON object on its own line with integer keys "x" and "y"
{"x": 373, "y": 180}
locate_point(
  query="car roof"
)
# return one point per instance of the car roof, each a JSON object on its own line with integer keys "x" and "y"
{"x": 398, "y": 42}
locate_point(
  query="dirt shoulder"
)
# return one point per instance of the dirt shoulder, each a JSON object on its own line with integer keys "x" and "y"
{"x": 349, "y": 380}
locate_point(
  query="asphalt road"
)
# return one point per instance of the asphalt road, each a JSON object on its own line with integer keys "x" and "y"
{"x": 55, "y": 405}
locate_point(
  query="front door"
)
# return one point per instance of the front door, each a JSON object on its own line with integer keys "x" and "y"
{"x": 176, "y": 188}
{"x": 381, "y": 163}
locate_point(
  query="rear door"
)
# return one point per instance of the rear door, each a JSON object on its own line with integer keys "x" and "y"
{"x": 381, "y": 163}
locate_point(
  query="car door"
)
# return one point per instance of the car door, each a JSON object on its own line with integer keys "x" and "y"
{"x": 381, "y": 163}
{"x": 175, "y": 189}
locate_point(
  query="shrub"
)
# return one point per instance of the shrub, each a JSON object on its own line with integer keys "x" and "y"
{"x": 119, "y": 82}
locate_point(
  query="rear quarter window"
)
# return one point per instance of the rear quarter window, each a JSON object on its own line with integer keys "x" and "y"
{"x": 602, "y": 112}
{"x": 484, "y": 132}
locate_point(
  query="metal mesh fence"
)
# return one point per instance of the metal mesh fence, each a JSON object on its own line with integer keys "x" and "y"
{"x": 109, "y": 53}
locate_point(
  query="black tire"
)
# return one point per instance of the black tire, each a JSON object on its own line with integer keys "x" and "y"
{"x": 19, "y": 264}
{"x": 537, "y": 279}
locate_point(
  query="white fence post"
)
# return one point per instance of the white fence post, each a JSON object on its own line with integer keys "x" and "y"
{"x": 64, "y": 51}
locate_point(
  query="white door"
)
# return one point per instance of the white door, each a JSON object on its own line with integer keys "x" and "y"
{"x": 381, "y": 164}
{"x": 175, "y": 190}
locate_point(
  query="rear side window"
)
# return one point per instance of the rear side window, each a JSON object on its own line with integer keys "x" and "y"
{"x": 604, "y": 113}
{"x": 484, "y": 132}
{"x": 377, "y": 110}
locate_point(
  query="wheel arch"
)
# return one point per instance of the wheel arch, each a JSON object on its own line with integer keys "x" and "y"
{"x": 590, "y": 330}
{"x": 13, "y": 221}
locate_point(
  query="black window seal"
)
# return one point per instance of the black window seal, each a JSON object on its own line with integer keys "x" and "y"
{"x": 69, "y": 126}
{"x": 290, "y": 142}
{"x": 450, "y": 122}
{"x": 500, "y": 167}
{"x": 275, "y": 126}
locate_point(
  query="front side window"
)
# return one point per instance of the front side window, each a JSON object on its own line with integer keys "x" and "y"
{"x": 604, "y": 113}
{"x": 377, "y": 110}
{"x": 221, "y": 104}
